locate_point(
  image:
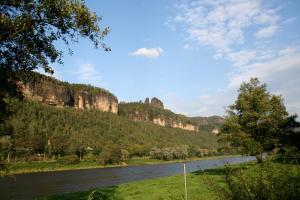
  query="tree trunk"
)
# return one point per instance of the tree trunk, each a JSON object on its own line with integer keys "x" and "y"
{"x": 259, "y": 157}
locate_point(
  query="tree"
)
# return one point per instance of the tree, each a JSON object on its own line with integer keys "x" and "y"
{"x": 253, "y": 121}
{"x": 27, "y": 35}
{"x": 28, "y": 32}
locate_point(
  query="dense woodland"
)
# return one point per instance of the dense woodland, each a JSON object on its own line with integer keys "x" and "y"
{"x": 38, "y": 129}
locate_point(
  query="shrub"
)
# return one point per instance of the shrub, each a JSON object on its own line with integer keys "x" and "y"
{"x": 265, "y": 181}
{"x": 113, "y": 155}
{"x": 69, "y": 160}
{"x": 169, "y": 153}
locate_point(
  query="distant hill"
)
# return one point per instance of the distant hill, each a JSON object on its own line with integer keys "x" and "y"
{"x": 208, "y": 123}
{"x": 139, "y": 111}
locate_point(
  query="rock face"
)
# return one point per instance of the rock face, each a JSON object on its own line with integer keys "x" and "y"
{"x": 174, "y": 124}
{"x": 159, "y": 121}
{"x": 189, "y": 127}
{"x": 156, "y": 102}
{"x": 61, "y": 94}
{"x": 215, "y": 131}
{"x": 147, "y": 112}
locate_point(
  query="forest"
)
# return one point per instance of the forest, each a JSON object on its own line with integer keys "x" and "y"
{"x": 38, "y": 131}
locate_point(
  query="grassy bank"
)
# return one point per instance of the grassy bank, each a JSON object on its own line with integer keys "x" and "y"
{"x": 200, "y": 186}
{"x": 38, "y": 166}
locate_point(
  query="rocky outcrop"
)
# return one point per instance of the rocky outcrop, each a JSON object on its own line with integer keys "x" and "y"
{"x": 174, "y": 124}
{"x": 60, "y": 94}
{"x": 159, "y": 121}
{"x": 153, "y": 112}
{"x": 189, "y": 127}
{"x": 157, "y": 103}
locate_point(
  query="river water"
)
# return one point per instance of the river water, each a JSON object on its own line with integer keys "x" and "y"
{"x": 28, "y": 186}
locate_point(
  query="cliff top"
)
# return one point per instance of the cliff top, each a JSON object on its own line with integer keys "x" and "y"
{"x": 37, "y": 77}
{"x": 153, "y": 111}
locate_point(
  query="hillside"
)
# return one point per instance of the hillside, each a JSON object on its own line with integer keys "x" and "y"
{"x": 40, "y": 128}
{"x": 208, "y": 123}
{"x": 139, "y": 111}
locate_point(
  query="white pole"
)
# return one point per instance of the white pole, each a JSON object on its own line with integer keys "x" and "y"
{"x": 185, "y": 190}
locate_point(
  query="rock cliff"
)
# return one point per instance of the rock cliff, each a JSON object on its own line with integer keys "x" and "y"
{"x": 61, "y": 94}
{"x": 153, "y": 112}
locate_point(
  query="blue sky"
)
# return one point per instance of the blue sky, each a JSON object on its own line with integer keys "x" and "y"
{"x": 192, "y": 55}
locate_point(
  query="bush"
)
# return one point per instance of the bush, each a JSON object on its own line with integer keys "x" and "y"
{"x": 169, "y": 153}
{"x": 113, "y": 155}
{"x": 90, "y": 157}
{"x": 69, "y": 160}
{"x": 266, "y": 181}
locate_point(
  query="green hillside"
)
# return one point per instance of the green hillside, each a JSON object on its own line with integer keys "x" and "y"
{"x": 38, "y": 128}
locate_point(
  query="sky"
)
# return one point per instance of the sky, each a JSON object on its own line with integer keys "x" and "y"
{"x": 193, "y": 55}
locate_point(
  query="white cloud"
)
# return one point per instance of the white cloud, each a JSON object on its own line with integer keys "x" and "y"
{"x": 222, "y": 25}
{"x": 241, "y": 57}
{"x": 266, "y": 70}
{"x": 227, "y": 26}
{"x": 266, "y": 32}
{"x": 280, "y": 74}
{"x": 87, "y": 73}
{"x": 147, "y": 52}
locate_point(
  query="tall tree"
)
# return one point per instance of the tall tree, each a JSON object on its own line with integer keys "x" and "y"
{"x": 254, "y": 120}
{"x": 28, "y": 30}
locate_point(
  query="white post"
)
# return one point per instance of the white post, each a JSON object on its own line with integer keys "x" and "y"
{"x": 185, "y": 189}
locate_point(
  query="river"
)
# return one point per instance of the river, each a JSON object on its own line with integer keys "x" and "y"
{"x": 28, "y": 186}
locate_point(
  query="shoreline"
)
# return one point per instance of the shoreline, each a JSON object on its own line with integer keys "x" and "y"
{"x": 95, "y": 165}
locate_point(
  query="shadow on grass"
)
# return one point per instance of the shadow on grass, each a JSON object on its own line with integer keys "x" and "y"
{"x": 219, "y": 171}
{"x": 215, "y": 171}
{"x": 106, "y": 193}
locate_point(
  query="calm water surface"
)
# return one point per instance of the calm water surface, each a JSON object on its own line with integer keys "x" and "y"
{"x": 28, "y": 186}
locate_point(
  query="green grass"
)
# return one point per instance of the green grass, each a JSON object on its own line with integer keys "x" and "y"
{"x": 39, "y": 166}
{"x": 199, "y": 183}
{"x": 156, "y": 189}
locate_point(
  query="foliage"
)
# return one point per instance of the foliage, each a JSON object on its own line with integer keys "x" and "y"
{"x": 265, "y": 182}
{"x": 253, "y": 121}
{"x": 68, "y": 160}
{"x": 169, "y": 153}
{"x": 289, "y": 135}
{"x": 29, "y": 30}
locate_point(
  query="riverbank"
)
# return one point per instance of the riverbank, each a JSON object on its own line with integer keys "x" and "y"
{"x": 38, "y": 166}
{"x": 201, "y": 185}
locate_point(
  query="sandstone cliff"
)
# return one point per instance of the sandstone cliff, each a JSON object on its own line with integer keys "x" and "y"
{"x": 61, "y": 94}
{"x": 153, "y": 112}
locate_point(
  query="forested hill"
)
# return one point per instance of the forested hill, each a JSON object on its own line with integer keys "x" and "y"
{"x": 39, "y": 128}
{"x": 139, "y": 111}
{"x": 208, "y": 123}
{"x": 57, "y": 93}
